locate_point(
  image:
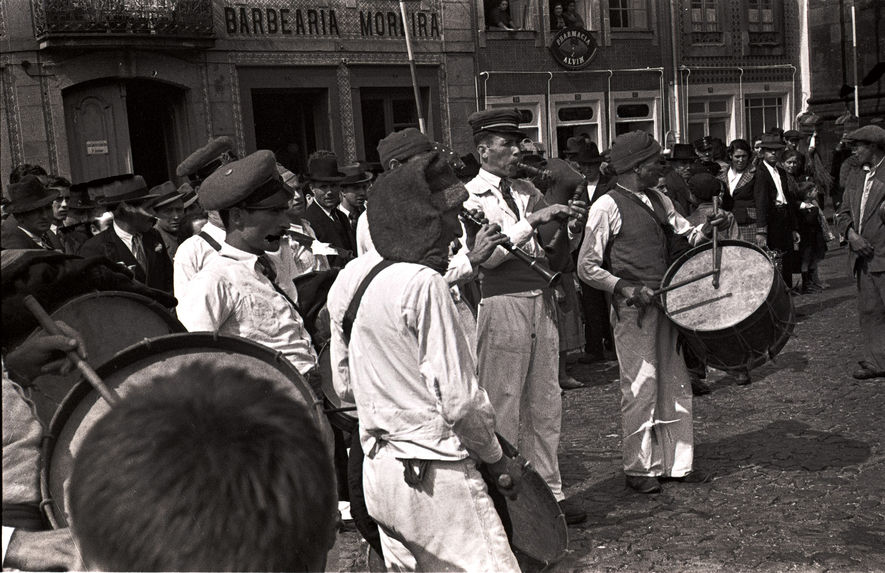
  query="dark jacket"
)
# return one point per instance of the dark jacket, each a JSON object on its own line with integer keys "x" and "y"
{"x": 11, "y": 237}
{"x": 779, "y": 223}
{"x": 337, "y": 233}
{"x": 741, "y": 202}
{"x": 158, "y": 275}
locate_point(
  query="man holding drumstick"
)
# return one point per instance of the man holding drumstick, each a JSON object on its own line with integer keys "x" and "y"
{"x": 625, "y": 253}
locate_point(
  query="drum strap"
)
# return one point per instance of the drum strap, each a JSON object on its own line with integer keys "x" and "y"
{"x": 212, "y": 242}
{"x": 350, "y": 313}
{"x": 23, "y": 516}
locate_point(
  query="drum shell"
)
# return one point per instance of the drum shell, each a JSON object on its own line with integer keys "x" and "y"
{"x": 753, "y": 341}
{"x": 82, "y": 406}
{"x": 108, "y": 321}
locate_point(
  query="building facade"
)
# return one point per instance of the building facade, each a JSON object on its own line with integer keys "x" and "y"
{"x": 98, "y": 87}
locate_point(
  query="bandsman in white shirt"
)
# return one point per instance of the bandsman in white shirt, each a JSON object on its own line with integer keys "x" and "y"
{"x": 237, "y": 291}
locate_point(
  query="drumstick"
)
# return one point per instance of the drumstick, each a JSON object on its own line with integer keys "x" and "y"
{"x": 630, "y": 301}
{"x": 109, "y": 395}
{"x": 716, "y": 254}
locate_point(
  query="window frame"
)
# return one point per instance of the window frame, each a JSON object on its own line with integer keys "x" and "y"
{"x": 650, "y": 97}
{"x": 631, "y": 28}
{"x": 782, "y": 118}
{"x": 532, "y": 102}
{"x": 706, "y": 37}
{"x": 706, "y": 115}
{"x": 593, "y": 100}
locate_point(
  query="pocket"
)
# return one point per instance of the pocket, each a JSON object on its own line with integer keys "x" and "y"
{"x": 263, "y": 316}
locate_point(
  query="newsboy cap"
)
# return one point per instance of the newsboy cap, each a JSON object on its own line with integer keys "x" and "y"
{"x": 868, "y": 134}
{"x": 504, "y": 121}
{"x": 199, "y": 164}
{"x": 401, "y": 145}
{"x": 252, "y": 182}
{"x": 631, "y": 149}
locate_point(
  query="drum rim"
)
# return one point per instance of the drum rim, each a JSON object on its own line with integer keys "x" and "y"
{"x": 147, "y": 301}
{"x": 128, "y": 356}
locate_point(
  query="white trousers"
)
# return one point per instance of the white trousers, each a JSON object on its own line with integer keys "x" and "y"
{"x": 656, "y": 414}
{"x": 518, "y": 363}
{"x": 448, "y": 523}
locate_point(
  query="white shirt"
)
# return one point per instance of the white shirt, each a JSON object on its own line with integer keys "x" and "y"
{"x": 409, "y": 366}
{"x": 125, "y": 236}
{"x": 733, "y": 178}
{"x": 230, "y": 296}
{"x": 307, "y": 258}
{"x": 604, "y": 223}
{"x": 781, "y": 199}
{"x": 192, "y": 256}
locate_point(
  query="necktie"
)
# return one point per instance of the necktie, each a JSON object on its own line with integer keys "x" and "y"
{"x": 46, "y": 242}
{"x": 266, "y": 268}
{"x": 353, "y": 216}
{"x": 508, "y": 197}
{"x": 868, "y": 184}
{"x": 138, "y": 252}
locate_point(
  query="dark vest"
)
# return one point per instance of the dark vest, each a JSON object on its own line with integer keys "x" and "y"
{"x": 638, "y": 253}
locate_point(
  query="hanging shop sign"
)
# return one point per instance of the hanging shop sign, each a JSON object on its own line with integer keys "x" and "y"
{"x": 573, "y": 48}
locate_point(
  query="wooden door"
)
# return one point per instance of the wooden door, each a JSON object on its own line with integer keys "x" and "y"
{"x": 98, "y": 131}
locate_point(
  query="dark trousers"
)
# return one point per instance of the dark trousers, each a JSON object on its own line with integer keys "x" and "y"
{"x": 780, "y": 238}
{"x": 597, "y": 328}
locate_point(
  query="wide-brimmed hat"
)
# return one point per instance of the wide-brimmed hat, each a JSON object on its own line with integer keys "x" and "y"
{"x": 324, "y": 169}
{"x": 588, "y": 153}
{"x": 703, "y": 143}
{"x": 771, "y": 141}
{"x": 356, "y": 174}
{"x": 682, "y": 152}
{"x": 79, "y": 199}
{"x": 573, "y": 145}
{"x": 121, "y": 189}
{"x": 168, "y": 194}
{"x": 29, "y": 194}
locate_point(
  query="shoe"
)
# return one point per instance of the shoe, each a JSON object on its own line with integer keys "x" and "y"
{"x": 644, "y": 484}
{"x": 569, "y": 383}
{"x": 694, "y": 476}
{"x": 742, "y": 378}
{"x": 572, "y": 512}
{"x": 699, "y": 387}
{"x": 867, "y": 372}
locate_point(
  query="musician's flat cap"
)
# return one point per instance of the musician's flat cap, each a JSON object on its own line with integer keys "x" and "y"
{"x": 632, "y": 149}
{"x": 868, "y": 134}
{"x": 195, "y": 164}
{"x": 503, "y": 121}
{"x": 252, "y": 182}
{"x": 401, "y": 145}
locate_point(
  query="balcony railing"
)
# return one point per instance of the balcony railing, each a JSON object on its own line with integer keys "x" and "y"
{"x": 93, "y": 20}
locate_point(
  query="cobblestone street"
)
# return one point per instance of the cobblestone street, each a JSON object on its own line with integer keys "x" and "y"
{"x": 797, "y": 458}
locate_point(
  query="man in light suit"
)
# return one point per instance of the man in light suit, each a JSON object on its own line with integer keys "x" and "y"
{"x": 861, "y": 219}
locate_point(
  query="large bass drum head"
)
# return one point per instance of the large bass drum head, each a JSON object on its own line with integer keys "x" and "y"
{"x": 109, "y": 321}
{"x": 134, "y": 368}
{"x": 745, "y": 281}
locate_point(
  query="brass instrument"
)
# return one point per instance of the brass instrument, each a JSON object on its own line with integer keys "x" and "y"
{"x": 534, "y": 171}
{"x": 552, "y": 278}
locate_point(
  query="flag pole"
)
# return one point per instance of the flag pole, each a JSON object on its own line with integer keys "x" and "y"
{"x": 422, "y": 126}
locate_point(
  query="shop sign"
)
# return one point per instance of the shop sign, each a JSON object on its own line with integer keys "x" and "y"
{"x": 573, "y": 48}
{"x": 97, "y": 147}
{"x": 262, "y": 21}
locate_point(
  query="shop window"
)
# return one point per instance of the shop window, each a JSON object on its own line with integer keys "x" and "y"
{"x": 510, "y": 14}
{"x": 705, "y": 27}
{"x": 628, "y": 14}
{"x": 708, "y": 117}
{"x": 530, "y": 116}
{"x": 634, "y": 117}
{"x": 763, "y": 26}
{"x": 763, "y": 113}
{"x": 575, "y": 120}
{"x": 387, "y": 110}
{"x": 569, "y": 13}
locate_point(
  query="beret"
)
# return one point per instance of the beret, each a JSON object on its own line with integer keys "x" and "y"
{"x": 252, "y": 181}
{"x": 704, "y": 186}
{"x": 868, "y": 134}
{"x": 401, "y": 145}
{"x": 497, "y": 121}
{"x": 631, "y": 149}
{"x": 205, "y": 155}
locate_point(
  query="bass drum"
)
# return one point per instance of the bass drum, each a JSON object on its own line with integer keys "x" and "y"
{"x": 742, "y": 324}
{"x": 109, "y": 321}
{"x": 136, "y": 366}
{"x": 338, "y": 410}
